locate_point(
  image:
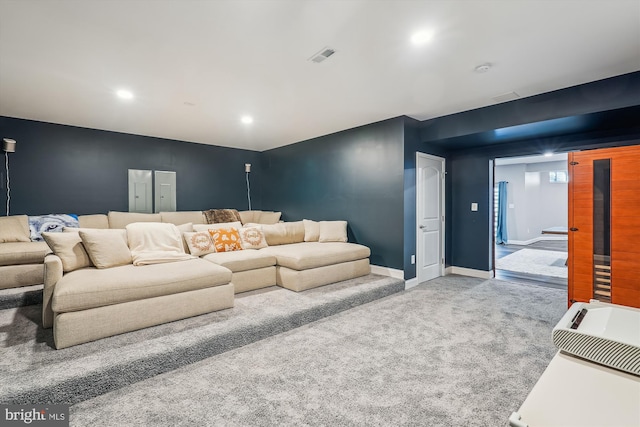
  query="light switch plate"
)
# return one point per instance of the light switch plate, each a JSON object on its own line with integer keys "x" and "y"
{"x": 474, "y": 207}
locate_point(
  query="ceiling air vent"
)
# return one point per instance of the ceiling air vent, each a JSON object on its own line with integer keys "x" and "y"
{"x": 324, "y": 53}
{"x": 506, "y": 97}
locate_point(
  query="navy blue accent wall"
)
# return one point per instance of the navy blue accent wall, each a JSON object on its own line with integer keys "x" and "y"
{"x": 66, "y": 169}
{"x": 354, "y": 175}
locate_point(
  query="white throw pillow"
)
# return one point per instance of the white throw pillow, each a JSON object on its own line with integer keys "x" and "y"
{"x": 199, "y": 243}
{"x": 311, "y": 230}
{"x": 252, "y": 238}
{"x": 106, "y": 248}
{"x": 333, "y": 231}
{"x": 69, "y": 248}
{"x": 185, "y": 228}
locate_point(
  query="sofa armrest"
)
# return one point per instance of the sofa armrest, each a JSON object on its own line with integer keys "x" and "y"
{"x": 52, "y": 274}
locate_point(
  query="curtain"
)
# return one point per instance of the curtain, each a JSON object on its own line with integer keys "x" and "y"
{"x": 501, "y": 231}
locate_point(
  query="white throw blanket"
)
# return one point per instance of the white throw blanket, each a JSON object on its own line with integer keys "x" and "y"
{"x": 155, "y": 243}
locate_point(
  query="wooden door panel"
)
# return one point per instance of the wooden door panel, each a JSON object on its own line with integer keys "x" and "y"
{"x": 625, "y": 224}
{"x": 580, "y": 216}
{"x": 623, "y": 296}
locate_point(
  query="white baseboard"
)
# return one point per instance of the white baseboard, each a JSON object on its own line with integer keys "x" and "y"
{"x": 386, "y": 271}
{"x": 408, "y": 284}
{"x": 469, "y": 272}
{"x": 535, "y": 239}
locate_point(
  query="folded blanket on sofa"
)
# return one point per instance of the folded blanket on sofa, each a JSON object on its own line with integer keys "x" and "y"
{"x": 155, "y": 243}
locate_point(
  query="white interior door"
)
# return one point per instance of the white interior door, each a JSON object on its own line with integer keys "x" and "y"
{"x": 430, "y": 217}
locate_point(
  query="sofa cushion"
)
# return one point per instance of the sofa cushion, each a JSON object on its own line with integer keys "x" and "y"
{"x": 284, "y": 233}
{"x": 260, "y": 217}
{"x": 252, "y": 237}
{"x": 179, "y": 218}
{"x": 106, "y": 248}
{"x": 69, "y": 248}
{"x": 333, "y": 231}
{"x": 269, "y": 217}
{"x": 15, "y": 253}
{"x": 241, "y": 260}
{"x": 122, "y": 219}
{"x": 247, "y": 217}
{"x": 14, "y": 229}
{"x": 302, "y": 256}
{"x": 311, "y": 230}
{"x": 90, "y": 287}
{"x": 93, "y": 221}
{"x": 199, "y": 242}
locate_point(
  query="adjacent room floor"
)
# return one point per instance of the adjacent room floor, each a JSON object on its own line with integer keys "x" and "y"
{"x": 548, "y": 268}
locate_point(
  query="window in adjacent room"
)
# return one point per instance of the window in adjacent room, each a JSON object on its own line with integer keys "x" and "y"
{"x": 558, "y": 176}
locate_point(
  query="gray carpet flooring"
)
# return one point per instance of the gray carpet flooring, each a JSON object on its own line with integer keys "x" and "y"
{"x": 19, "y": 297}
{"x": 32, "y": 371}
{"x": 455, "y": 351}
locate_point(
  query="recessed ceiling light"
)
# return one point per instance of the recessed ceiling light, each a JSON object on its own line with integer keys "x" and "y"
{"x": 247, "y": 120}
{"x": 548, "y": 154}
{"x": 421, "y": 37}
{"x": 124, "y": 94}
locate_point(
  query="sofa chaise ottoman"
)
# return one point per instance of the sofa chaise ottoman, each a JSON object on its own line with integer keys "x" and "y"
{"x": 251, "y": 269}
{"x": 306, "y": 265}
{"x": 86, "y": 299}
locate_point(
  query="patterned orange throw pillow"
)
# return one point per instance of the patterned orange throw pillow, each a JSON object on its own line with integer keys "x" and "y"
{"x": 226, "y": 239}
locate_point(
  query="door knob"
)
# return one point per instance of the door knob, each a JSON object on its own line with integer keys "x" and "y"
{"x": 573, "y": 229}
{"x": 422, "y": 227}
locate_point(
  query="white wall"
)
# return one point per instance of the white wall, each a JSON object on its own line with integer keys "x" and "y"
{"x": 533, "y": 202}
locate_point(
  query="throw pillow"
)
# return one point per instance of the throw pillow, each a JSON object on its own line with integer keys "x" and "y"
{"x": 69, "y": 248}
{"x": 14, "y": 229}
{"x": 106, "y": 248}
{"x": 207, "y": 227}
{"x": 333, "y": 231}
{"x": 252, "y": 238}
{"x": 226, "y": 239}
{"x": 199, "y": 242}
{"x": 311, "y": 230}
{"x": 185, "y": 228}
{"x": 50, "y": 223}
{"x": 214, "y": 216}
{"x": 269, "y": 217}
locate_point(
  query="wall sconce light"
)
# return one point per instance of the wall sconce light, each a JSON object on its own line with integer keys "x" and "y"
{"x": 8, "y": 146}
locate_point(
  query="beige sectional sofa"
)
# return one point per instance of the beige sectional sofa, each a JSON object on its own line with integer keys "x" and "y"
{"x": 21, "y": 260}
{"x": 89, "y": 303}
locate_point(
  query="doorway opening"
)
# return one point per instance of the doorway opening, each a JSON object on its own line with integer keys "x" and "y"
{"x": 530, "y": 214}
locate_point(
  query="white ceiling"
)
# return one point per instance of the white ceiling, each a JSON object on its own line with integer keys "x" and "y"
{"x": 196, "y": 66}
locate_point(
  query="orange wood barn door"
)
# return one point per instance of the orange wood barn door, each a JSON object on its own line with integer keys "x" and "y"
{"x": 616, "y": 277}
